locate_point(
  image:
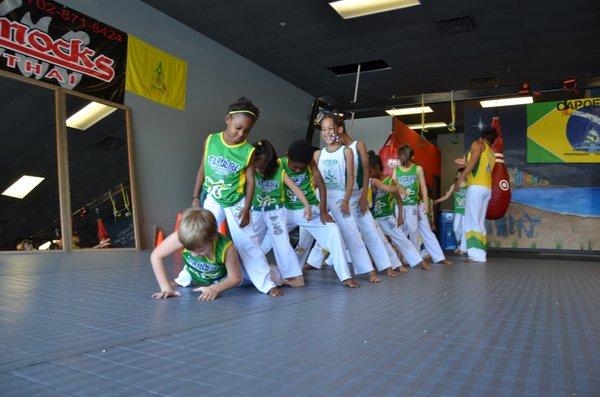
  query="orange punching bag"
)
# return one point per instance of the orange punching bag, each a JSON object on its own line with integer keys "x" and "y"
{"x": 500, "y": 182}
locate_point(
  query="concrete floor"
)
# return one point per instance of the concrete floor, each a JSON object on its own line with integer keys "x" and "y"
{"x": 84, "y": 324}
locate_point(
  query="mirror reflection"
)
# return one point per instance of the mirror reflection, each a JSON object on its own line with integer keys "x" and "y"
{"x": 99, "y": 175}
{"x": 29, "y": 201}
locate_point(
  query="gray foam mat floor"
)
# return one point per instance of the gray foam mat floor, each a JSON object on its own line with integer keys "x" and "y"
{"x": 84, "y": 324}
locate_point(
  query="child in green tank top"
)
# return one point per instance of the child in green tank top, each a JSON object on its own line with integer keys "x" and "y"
{"x": 387, "y": 195}
{"x": 227, "y": 177}
{"x": 416, "y": 223}
{"x": 269, "y": 214}
{"x": 210, "y": 259}
{"x": 459, "y": 198}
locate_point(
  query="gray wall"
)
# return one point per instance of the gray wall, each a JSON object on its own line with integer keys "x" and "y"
{"x": 450, "y": 151}
{"x": 373, "y": 130}
{"x": 167, "y": 142}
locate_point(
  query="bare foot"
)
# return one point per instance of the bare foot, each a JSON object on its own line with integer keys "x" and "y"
{"x": 373, "y": 277}
{"x": 402, "y": 269}
{"x": 352, "y": 283}
{"x": 308, "y": 267}
{"x": 389, "y": 272}
{"x": 425, "y": 266}
{"x": 275, "y": 292}
{"x": 295, "y": 282}
{"x": 445, "y": 262}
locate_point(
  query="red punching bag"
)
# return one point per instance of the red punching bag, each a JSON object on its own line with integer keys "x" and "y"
{"x": 389, "y": 154}
{"x": 500, "y": 182}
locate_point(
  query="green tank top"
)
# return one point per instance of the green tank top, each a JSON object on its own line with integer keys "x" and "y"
{"x": 459, "y": 200}
{"x": 204, "y": 270}
{"x": 269, "y": 191}
{"x": 385, "y": 202}
{"x": 305, "y": 181}
{"x": 224, "y": 169}
{"x": 409, "y": 181}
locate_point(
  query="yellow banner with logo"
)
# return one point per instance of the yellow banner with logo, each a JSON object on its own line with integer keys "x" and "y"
{"x": 564, "y": 131}
{"x": 155, "y": 74}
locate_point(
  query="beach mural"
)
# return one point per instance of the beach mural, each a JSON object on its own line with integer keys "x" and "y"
{"x": 554, "y": 205}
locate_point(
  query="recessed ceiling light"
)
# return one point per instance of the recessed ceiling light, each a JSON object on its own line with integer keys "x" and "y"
{"x": 45, "y": 246}
{"x": 89, "y": 115}
{"x": 404, "y": 111}
{"x": 23, "y": 186}
{"x": 439, "y": 124}
{"x": 358, "y": 8}
{"x": 494, "y": 103}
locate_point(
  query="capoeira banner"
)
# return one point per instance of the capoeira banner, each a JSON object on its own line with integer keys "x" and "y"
{"x": 564, "y": 132}
{"x": 46, "y": 41}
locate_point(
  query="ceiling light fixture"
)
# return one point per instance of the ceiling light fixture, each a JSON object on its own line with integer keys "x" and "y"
{"x": 23, "y": 186}
{"x": 358, "y": 8}
{"x": 495, "y": 103}
{"x": 439, "y": 124}
{"x": 45, "y": 246}
{"x": 405, "y": 111}
{"x": 89, "y": 115}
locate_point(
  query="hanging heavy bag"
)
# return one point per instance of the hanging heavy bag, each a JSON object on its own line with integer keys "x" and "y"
{"x": 501, "y": 193}
{"x": 389, "y": 154}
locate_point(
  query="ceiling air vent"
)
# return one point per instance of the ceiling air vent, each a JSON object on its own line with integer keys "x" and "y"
{"x": 109, "y": 144}
{"x": 369, "y": 66}
{"x": 456, "y": 25}
{"x": 485, "y": 82}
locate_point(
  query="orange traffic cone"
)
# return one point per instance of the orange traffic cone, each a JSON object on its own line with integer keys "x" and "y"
{"x": 177, "y": 221}
{"x": 159, "y": 238}
{"x": 103, "y": 237}
{"x": 223, "y": 228}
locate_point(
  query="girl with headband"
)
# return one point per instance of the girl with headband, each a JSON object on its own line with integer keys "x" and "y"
{"x": 226, "y": 175}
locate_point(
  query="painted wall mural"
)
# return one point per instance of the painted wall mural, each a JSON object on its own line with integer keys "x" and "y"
{"x": 554, "y": 206}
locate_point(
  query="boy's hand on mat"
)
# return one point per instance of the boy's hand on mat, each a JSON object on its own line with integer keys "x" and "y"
{"x": 169, "y": 293}
{"x": 208, "y": 294}
{"x": 326, "y": 218}
{"x": 308, "y": 213}
{"x": 244, "y": 217}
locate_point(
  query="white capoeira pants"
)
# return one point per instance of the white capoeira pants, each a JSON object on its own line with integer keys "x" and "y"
{"x": 326, "y": 234}
{"x": 373, "y": 239}
{"x": 415, "y": 223}
{"x": 476, "y": 205}
{"x": 459, "y": 231}
{"x": 348, "y": 226}
{"x": 389, "y": 226}
{"x": 392, "y": 254}
{"x": 246, "y": 242}
{"x": 274, "y": 224}
{"x": 371, "y": 235}
{"x": 315, "y": 259}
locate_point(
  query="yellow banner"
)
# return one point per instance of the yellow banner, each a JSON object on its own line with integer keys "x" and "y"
{"x": 155, "y": 74}
{"x": 564, "y": 131}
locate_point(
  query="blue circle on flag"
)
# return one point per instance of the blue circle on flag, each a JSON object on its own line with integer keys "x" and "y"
{"x": 583, "y": 129}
